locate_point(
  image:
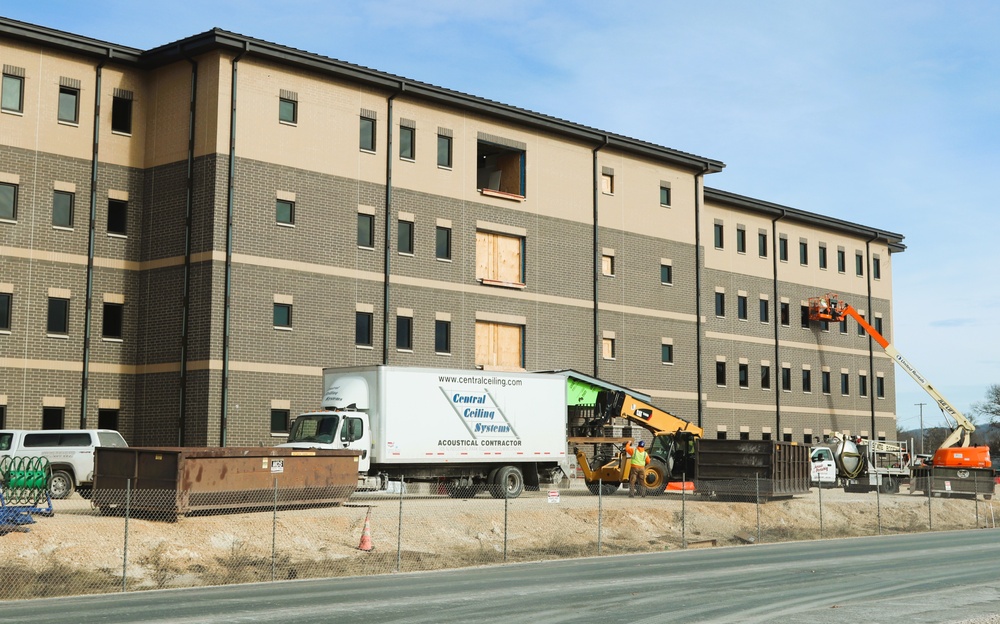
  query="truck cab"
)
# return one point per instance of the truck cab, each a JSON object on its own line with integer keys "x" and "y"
{"x": 823, "y": 466}
{"x": 333, "y": 430}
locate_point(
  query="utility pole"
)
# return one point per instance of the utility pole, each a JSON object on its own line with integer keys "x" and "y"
{"x": 921, "y": 426}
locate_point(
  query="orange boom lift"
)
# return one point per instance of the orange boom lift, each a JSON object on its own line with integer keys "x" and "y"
{"x": 951, "y": 453}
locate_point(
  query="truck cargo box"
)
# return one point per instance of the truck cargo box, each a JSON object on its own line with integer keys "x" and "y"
{"x": 177, "y": 481}
{"x": 748, "y": 468}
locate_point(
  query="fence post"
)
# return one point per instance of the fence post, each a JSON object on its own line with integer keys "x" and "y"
{"x": 975, "y": 495}
{"x": 756, "y": 481}
{"x": 274, "y": 530}
{"x": 684, "y": 542}
{"x": 600, "y": 512}
{"x": 878, "y": 503}
{"x": 819, "y": 489}
{"x": 506, "y": 505}
{"x": 930, "y": 522}
{"x": 128, "y": 505}
{"x": 399, "y": 528}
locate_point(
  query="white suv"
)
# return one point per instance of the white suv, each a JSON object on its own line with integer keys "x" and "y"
{"x": 70, "y": 453}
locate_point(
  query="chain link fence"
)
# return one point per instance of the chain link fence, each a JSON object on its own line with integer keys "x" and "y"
{"x": 131, "y": 540}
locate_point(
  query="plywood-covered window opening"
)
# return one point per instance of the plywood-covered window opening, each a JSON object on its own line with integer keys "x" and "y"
{"x": 499, "y": 346}
{"x": 499, "y": 259}
{"x": 500, "y": 167}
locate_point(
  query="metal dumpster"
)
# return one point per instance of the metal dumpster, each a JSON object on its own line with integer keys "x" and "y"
{"x": 181, "y": 480}
{"x": 751, "y": 468}
{"x": 957, "y": 482}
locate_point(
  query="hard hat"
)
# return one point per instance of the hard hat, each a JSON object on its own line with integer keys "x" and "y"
{"x": 642, "y": 443}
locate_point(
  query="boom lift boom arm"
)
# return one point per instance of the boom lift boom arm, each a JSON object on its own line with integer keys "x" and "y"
{"x": 830, "y": 308}
{"x": 618, "y": 404}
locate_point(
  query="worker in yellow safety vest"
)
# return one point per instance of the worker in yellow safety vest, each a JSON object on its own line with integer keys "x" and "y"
{"x": 639, "y": 461}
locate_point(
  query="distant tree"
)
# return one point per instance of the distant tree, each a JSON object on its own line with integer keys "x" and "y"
{"x": 990, "y": 408}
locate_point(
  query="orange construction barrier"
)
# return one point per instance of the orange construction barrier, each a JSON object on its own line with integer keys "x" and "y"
{"x": 366, "y": 534}
{"x": 677, "y": 486}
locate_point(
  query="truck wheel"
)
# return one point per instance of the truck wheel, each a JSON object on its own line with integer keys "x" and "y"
{"x": 603, "y": 488}
{"x": 656, "y": 477}
{"x": 61, "y": 485}
{"x": 509, "y": 483}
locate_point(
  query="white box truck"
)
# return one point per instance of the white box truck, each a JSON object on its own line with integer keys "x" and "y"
{"x": 470, "y": 430}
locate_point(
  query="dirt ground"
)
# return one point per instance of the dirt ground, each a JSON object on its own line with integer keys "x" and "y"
{"x": 78, "y": 550}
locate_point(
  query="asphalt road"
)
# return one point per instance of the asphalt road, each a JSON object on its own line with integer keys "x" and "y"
{"x": 927, "y": 577}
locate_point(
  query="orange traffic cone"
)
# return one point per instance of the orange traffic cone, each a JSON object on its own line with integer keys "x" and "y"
{"x": 366, "y": 534}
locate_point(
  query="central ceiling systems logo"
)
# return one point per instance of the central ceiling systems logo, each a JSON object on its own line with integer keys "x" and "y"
{"x": 480, "y": 415}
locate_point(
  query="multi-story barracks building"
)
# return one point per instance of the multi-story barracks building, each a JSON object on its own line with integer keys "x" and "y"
{"x": 190, "y": 234}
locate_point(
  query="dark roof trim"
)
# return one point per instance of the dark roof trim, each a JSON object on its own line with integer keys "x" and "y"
{"x": 892, "y": 239}
{"x": 217, "y": 39}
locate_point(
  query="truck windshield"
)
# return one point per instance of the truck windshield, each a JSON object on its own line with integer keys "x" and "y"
{"x": 314, "y": 428}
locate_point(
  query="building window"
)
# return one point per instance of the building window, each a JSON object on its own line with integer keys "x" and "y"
{"x": 804, "y": 316}
{"x": 444, "y": 151}
{"x": 861, "y": 328}
{"x": 741, "y": 239}
{"x": 719, "y": 236}
{"x": 876, "y": 268}
{"x": 285, "y": 211}
{"x": 783, "y": 249}
{"x": 69, "y": 105}
{"x": 363, "y": 329}
{"x": 366, "y": 230}
{"x": 499, "y": 345}
{"x": 762, "y": 244}
{"x": 62, "y": 209}
{"x": 822, "y": 256}
{"x": 862, "y": 384}
{"x": 666, "y": 274}
{"x": 859, "y": 264}
{"x": 664, "y": 195}
{"x": 744, "y": 375}
{"x": 121, "y": 112}
{"x": 878, "y": 326}
{"x": 107, "y": 419}
{"x": 720, "y": 304}
{"x": 442, "y": 336}
{"x": 499, "y": 258}
{"x": 608, "y": 265}
{"x": 765, "y": 377}
{"x": 288, "y": 110}
{"x": 880, "y": 387}
{"x": 667, "y": 353}
{"x": 741, "y": 307}
{"x": 841, "y": 261}
{"x": 404, "y": 333}
{"x": 500, "y": 168}
{"x": 8, "y": 201}
{"x": 404, "y": 237}
{"x": 442, "y": 243}
{"x": 845, "y": 384}
{"x": 807, "y": 385}
{"x": 608, "y": 183}
{"x": 3, "y": 416}
{"x": 52, "y": 418}
{"x": 803, "y": 253}
{"x": 6, "y": 307}
{"x": 58, "y": 319}
{"x": 786, "y": 378}
{"x": 117, "y": 217}
{"x": 843, "y": 326}
{"x": 608, "y": 348}
{"x": 824, "y": 326}
{"x": 825, "y": 377}
{"x": 764, "y": 312}
{"x": 12, "y": 96}
{"x": 367, "y": 141}
{"x": 282, "y": 315}
{"x": 279, "y": 421}
{"x": 786, "y": 314}
{"x": 407, "y": 142}
{"x": 720, "y": 373}
{"x": 112, "y": 320}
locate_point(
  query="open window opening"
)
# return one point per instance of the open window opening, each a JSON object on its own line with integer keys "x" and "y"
{"x": 500, "y": 170}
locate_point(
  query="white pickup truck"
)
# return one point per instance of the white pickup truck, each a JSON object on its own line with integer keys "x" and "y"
{"x": 70, "y": 453}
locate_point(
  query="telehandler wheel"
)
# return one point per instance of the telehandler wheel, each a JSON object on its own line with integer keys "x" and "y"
{"x": 603, "y": 488}
{"x": 656, "y": 478}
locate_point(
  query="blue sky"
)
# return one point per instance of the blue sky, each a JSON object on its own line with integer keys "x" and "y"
{"x": 882, "y": 113}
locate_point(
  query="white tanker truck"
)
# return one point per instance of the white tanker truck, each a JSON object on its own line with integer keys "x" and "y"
{"x": 860, "y": 465}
